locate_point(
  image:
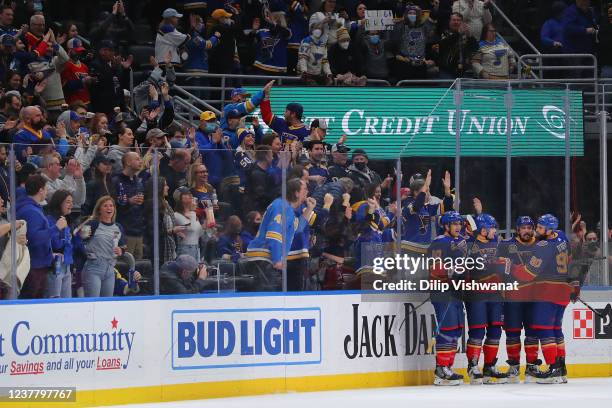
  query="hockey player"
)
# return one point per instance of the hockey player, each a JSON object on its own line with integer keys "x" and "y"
{"x": 290, "y": 128}
{"x": 419, "y": 208}
{"x": 447, "y": 304}
{"x": 484, "y": 309}
{"x": 518, "y": 250}
{"x": 552, "y": 294}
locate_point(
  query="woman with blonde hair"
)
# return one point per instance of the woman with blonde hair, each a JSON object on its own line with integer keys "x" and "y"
{"x": 103, "y": 241}
{"x": 202, "y": 190}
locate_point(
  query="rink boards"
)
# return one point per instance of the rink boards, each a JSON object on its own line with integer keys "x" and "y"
{"x": 174, "y": 348}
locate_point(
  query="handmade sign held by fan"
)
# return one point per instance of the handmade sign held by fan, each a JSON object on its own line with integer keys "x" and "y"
{"x": 378, "y": 20}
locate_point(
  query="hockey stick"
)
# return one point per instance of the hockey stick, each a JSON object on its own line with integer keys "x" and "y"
{"x": 415, "y": 309}
{"x": 603, "y": 314}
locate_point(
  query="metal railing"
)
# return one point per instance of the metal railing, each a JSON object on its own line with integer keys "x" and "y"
{"x": 223, "y": 89}
{"x": 536, "y": 62}
{"x": 188, "y": 106}
{"x": 503, "y": 15}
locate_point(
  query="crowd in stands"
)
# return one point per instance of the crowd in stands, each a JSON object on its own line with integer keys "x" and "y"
{"x": 108, "y": 182}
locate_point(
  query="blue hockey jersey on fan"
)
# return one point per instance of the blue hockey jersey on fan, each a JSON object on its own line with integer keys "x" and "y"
{"x": 287, "y": 133}
{"x": 271, "y": 240}
{"x": 301, "y": 240}
{"x": 271, "y": 53}
{"x": 369, "y": 242}
{"x": 298, "y": 23}
{"x": 244, "y": 108}
{"x": 242, "y": 163}
{"x": 417, "y": 218}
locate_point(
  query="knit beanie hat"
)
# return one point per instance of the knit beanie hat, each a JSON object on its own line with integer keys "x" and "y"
{"x": 342, "y": 34}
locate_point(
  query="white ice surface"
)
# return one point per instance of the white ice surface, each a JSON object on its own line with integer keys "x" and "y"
{"x": 578, "y": 393}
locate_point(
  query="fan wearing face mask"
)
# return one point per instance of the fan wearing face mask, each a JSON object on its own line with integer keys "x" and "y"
{"x": 374, "y": 54}
{"x": 313, "y": 65}
{"x": 344, "y": 62}
{"x": 411, "y": 43}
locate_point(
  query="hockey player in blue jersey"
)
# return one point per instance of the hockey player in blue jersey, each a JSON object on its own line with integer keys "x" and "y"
{"x": 275, "y": 236}
{"x": 553, "y": 290}
{"x": 290, "y": 127}
{"x": 418, "y": 210}
{"x": 518, "y": 250}
{"x": 447, "y": 305}
{"x": 484, "y": 308}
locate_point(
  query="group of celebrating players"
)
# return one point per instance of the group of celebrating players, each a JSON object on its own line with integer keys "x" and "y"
{"x": 536, "y": 257}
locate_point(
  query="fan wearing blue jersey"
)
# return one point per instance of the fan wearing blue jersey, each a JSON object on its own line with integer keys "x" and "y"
{"x": 275, "y": 236}
{"x": 290, "y": 127}
{"x": 371, "y": 220}
{"x": 242, "y": 102}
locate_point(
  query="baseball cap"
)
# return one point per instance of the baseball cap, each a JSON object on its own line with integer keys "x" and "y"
{"x": 359, "y": 152}
{"x": 208, "y": 115}
{"x": 75, "y": 44}
{"x": 186, "y": 263}
{"x": 295, "y": 108}
{"x": 220, "y": 13}
{"x": 170, "y": 12}
{"x": 340, "y": 148}
{"x": 234, "y": 114}
{"x": 7, "y": 40}
{"x": 240, "y": 91}
{"x": 155, "y": 133}
{"x": 179, "y": 192}
{"x": 75, "y": 116}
